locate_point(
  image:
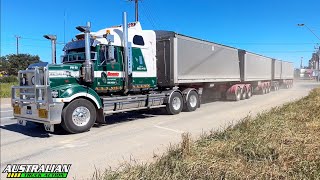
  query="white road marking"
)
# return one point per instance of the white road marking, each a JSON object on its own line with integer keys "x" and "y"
{"x": 6, "y": 104}
{"x": 7, "y": 111}
{"x": 169, "y": 129}
{"x": 7, "y": 117}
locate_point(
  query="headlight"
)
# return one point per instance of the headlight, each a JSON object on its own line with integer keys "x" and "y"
{"x": 54, "y": 94}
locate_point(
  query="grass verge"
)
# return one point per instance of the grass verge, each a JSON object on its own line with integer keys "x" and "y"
{"x": 5, "y": 89}
{"x": 283, "y": 143}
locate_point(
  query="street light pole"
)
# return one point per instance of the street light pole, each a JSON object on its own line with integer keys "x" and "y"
{"x": 318, "y": 63}
{"x": 310, "y": 30}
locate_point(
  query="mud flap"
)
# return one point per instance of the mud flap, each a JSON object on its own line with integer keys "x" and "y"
{"x": 100, "y": 117}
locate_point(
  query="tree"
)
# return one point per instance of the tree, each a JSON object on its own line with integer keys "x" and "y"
{"x": 12, "y": 63}
{"x": 4, "y": 65}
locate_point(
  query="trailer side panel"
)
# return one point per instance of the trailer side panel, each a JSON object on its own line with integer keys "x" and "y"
{"x": 287, "y": 70}
{"x": 201, "y": 61}
{"x": 276, "y": 69}
{"x": 256, "y": 67}
{"x": 185, "y": 60}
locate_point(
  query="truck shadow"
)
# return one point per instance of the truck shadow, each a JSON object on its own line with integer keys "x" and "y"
{"x": 132, "y": 116}
{"x": 34, "y": 130}
{"x": 30, "y": 129}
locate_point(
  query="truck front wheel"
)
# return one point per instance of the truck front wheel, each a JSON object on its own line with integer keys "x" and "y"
{"x": 175, "y": 104}
{"x": 78, "y": 116}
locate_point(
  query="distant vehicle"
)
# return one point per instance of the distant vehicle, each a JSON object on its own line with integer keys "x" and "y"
{"x": 124, "y": 68}
{"x": 306, "y": 73}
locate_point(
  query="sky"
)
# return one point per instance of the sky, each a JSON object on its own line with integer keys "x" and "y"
{"x": 267, "y": 27}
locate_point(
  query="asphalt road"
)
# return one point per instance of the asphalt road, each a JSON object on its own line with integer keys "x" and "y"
{"x": 128, "y": 137}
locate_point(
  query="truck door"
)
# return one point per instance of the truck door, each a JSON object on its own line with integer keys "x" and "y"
{"x": 111, "y": 74}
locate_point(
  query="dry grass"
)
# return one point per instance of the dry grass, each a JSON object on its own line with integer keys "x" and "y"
{"x": 5, "y": 89}
{"x": 283, "y": 143}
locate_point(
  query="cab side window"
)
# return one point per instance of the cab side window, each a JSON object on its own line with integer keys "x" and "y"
{"x": 138, "y": 40}
{"x": 104, "y": 56}
{"x": 115, "y": 55}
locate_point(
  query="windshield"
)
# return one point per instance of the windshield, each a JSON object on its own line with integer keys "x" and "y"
{"x": 77, "y": 55}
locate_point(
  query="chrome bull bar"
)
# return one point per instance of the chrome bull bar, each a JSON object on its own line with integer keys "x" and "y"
{"x": 32, "y": 99}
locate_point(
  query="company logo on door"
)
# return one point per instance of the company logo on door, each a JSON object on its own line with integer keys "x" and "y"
{"x": 113, "y": 74}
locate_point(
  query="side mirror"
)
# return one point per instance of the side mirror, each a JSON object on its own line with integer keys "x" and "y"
{"x": 111, "y": 53}
{"x": 109, "y": 37}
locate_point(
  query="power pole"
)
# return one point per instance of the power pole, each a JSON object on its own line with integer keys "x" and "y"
{"x": 301, "y": 63}
{"x": 136, "y": 9}
{"x": 17, "y": 37}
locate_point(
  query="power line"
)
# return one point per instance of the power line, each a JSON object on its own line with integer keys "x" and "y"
{"x": 273, "y": 43}
{"x": 154, "y": 17}
{"x": 33, "y": 39}
{"x": 297, "y": 51}
{"x": 148, "y": 17}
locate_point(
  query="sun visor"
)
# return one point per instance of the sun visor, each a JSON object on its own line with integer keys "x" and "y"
{"x": 79, "y": 44}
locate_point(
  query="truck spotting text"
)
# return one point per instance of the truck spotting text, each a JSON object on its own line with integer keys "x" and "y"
{"x": 125, "y": 68}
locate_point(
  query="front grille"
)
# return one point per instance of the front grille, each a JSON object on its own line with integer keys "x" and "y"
{"x": 33, "y": 88}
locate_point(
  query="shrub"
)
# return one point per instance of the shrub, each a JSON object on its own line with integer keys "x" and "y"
{"x": 8, "y": 79}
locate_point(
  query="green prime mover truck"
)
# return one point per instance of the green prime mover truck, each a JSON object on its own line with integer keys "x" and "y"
{"x": 124, "y": 68}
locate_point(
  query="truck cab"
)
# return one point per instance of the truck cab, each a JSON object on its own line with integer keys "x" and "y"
{"x": 52, "y": 93}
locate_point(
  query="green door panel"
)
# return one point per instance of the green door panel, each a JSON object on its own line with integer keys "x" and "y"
{"x": 138, "y": 62}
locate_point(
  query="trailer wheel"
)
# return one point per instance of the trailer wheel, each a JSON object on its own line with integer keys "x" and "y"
{"x": 78, "y": 116}
{"x": 244, "y": 93}
{"x": 249, "y": 93}
{"x": 192, "y": 102}
{"x": 238, "y": 94}
{"x": 269, "y": 89}
{"x": 264, "y": 90}
{"x": 176, "y": 104}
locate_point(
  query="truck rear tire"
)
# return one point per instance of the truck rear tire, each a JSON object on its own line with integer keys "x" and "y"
{"x": 244, "y": 93}
{"x": 264, "y": 90}
{"x": 238, "y": 94}
{"x": 78, "y": 116}
{"x": 192, "y": 102}
{"x": 175, "y": 104}
{"x": 249, "y": 92}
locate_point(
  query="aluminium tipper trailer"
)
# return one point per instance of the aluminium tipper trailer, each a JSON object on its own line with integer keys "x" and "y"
{"x": 186, "y": 60}
{"x": 276, "y": 69}
{"x": 286, "y": 70}
{"x": 255, "y": 67}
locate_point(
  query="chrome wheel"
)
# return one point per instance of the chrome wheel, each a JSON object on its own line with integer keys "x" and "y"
{"x": 81, "y": 116}
{"x": 193, "y": 101}
{"x": 176, "y": 103}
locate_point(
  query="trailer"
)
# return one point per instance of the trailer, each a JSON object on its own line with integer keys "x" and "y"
{"x": 124, "y": 68}
{"x": 187, "y": 60}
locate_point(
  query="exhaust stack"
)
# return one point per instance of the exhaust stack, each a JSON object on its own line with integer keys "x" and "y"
{"x": 87, "y": 68}
{"x": 127, "y": 54}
